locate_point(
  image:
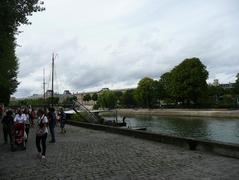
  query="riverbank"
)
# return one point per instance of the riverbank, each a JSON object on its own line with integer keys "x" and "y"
{"x": 181, "y": 112}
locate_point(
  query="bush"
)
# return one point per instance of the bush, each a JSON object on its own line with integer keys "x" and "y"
{"x": 96, "y": 106}
{"x": 82, "y": 117}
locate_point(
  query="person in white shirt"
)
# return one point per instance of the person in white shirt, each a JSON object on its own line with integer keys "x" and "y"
{"x": 41, "y": 133}
{"x": 20, "y": 118}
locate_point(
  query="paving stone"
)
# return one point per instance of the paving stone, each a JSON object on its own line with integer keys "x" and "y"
{"x": 89, "y": 154}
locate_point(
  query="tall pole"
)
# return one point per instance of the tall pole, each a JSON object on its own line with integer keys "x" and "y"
{"x": 44, "y": 86}
{"x": 52, "y": 83}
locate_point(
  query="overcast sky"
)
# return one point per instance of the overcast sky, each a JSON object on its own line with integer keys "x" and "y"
{"x": 115, "y": 43}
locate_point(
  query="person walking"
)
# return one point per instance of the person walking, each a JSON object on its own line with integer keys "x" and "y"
{"x": 27, "y": 123}
{"x": 41, "y": 134}
{"x": 32, "y": 117}
{"x": 8, "y": 124}
{"x": 1, "y": 111}
{"x": 52, "y": 124}
{"x": 20, "y": 117}
{"x": 62, "y": 120}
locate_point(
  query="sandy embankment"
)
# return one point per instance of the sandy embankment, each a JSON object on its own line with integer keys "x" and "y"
{"x": 181, "y": 112}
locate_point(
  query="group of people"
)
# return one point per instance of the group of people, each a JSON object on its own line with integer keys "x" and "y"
{"x": 41, "y": 120}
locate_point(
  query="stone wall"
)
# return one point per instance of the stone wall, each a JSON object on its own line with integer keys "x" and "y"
{"x": 181, "y": 112}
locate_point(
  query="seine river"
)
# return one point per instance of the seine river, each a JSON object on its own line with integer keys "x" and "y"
{"x": 219, "y": 129}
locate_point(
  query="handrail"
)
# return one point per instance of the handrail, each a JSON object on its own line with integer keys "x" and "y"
{"x": 91, "y": 115}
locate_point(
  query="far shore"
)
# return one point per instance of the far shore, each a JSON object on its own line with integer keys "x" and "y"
{"x": 182, "y": 112}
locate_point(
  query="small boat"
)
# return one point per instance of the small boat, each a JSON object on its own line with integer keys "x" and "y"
{"x": 114, "y": 123}
{"x": 139, "y": 128}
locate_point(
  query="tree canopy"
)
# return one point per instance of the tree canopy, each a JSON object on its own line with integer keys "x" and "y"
{"x": 87, "y": 97}
{"x": 107, "y": 99}
{"x": 94, "y": 97}
{"x": 128, "y": 98}
{"x": 13, "y": 13}
{"x": 236, "y": 85}
{"x": 186, "y": 83}
{"x": 145, "y": 92}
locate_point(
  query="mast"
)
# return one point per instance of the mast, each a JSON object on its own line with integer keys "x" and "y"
{"x": 52, "y": 83}
{"x": 44, "y": 86}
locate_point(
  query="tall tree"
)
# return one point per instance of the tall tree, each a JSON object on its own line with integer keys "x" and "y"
{"x": 128, "y": 99}
{"x": 13, "y": 13}
{"x": 107, "y": 99}
{"x": 167, "y": 87}
{"x": 94, "y": 97}
{"x": 87, "y": 97}
{"x": 118, "y": 95}
{"x": 146, "y": 92}
{"x": 8, "y": 69}
{"x": 236, "y": 85}
{"x": 188, "y": 81}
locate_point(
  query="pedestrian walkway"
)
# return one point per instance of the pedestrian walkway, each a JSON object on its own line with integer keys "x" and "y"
{"x": 90, "y": 154}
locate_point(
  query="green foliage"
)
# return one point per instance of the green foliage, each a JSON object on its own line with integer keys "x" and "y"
{"x": 236, "y": 85}
{"x": 159, "y": 92}
{"x": 87, "y": 97}
{"x": 186, "y": 83}
{"x": 96, "y": 106}
{"x": 118, "y": 95}
{"x": 54, "y": 100}
{"x": 128, "y": 99}
{"x": 94, "y": 97}
{"x": 107, "y": 99}
{"x": 226, "y": 101}
{"x": 12, "y": 14}
{"x": 15, "y": 12}
{"x": 147, "y": 93}
{"x": 8, "y": 68}
{"x": 217, "y": 97}
{"x": 167, "y": 88}
{"x": 82, "y": 117}
{"x": 216, "y": 92}
{"x": 25, "y": 102}
{"x": 69, "y": 100}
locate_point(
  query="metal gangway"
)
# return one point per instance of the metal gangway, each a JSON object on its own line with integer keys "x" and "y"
{"x": 84, "y": 112}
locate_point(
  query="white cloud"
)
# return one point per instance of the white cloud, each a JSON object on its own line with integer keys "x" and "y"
{"x": 116, "y": 43}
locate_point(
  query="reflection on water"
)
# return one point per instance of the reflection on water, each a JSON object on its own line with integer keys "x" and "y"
{"x": 219, "y": 129}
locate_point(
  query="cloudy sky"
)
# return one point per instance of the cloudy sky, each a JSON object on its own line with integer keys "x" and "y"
{"x": 114, "y": 44}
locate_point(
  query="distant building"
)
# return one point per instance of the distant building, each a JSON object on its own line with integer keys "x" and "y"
{"x": 66, "y": 92}
{"x": 80, "y": 97}
{"x": 215, "y": 82}
{"x": 48, "y": 93}
{"x": 13, "y": 98}
{"x": 224, "y": 86}
{"x": 227, "y": 86}
{"x": 35, "y": 96}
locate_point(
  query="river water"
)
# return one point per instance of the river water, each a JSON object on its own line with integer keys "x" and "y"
{"x": 219, "y": 129}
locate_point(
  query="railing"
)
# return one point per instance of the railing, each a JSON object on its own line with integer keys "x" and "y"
{"x": 90, "y": 117}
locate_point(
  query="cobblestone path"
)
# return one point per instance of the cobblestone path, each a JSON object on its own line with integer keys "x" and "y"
{"x": 90, "y": 154}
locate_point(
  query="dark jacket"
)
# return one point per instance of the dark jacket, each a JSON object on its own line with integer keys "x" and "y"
{"x": 8, "y": 121}
{"x": 52, "y": 118}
